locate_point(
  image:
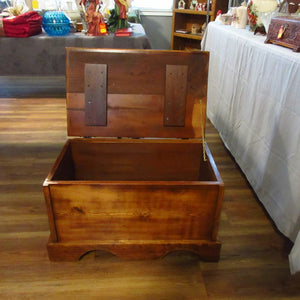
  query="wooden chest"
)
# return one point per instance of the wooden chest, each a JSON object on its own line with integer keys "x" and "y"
{"x": 147, "y": 184}
{"x": 285, "y": 31}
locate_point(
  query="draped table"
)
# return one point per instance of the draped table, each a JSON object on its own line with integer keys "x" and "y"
{"x": 254, "y": 102}
{"x": 45, "y": 55}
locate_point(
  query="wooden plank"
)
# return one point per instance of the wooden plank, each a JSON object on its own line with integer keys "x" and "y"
{"x": 175, "y": 98}
{"x": 137, "y": 71}
{"x": 127, "y": 211}
{"x": 95, "y": 80}
{"x": 53, "y": 233}
{"x": 133, "y": 159}
{"x": 132, "y": 115}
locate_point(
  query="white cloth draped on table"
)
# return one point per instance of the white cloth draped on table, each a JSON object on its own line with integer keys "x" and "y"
{"x": 254, "y": 102}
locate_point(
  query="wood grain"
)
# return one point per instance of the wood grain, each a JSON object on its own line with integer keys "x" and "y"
{"x": 134, "y": 159}
{"x": 133, "y": 212}
{"x": 133, "y": 192}
{"x": 139, "y": 85}
{"x": 175, "y": 95}
{"x": 253, "y": 264}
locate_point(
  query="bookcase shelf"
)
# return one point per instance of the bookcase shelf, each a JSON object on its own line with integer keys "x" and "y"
{"x": 185, "y": 19}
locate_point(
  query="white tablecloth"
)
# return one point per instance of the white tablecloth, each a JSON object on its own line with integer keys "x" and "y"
{"x": 254, "y": 102}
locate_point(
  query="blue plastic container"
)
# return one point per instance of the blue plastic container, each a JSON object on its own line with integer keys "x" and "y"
{"x": 56, "y": 23}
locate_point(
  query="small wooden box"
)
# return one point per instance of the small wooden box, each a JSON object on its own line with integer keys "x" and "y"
{"x": 285, "y": 31}
{"x": 144, "y": 188}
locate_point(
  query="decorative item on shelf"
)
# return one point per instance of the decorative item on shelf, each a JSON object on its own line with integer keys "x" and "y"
{"x": 17, "y": 21}
{"x": 79, "y": 26}
{"x": 260, "y": 13}
{"x": 56, "y": 23}
{"x": 254, "y": 23}
{"x": 118, "y": 15}
{"x": 234, "y": 16}
{"x": 198, "y": 6}
{"x": 218, "y": 15}
{"x": 82, "y": 27}
{"x": 93, "y": 17}
{"x": 252, "y": 15}
{"x": 201, "y": 7}
{"x": 181, "y": 4}
{"x": 287, "y": 7}
{"x": 293, "y": 6}
{"x": 123, "y": 32}
{"x": 195, "y": 28}
{"x": 266, "y": 10}
{"x": 14, "y": 8}
{"x": 285, "y": 31}
{"x": 239, "y": 16}
{"x": 224, "y": 19}
{"x": 266, "y": 18}
{"x": 103, "y": 28}
{"x": 195, "y": 12}
{"x": 242, "y": 16}
{"x": 184, "y": 31}
{"x": 193, "y": 4}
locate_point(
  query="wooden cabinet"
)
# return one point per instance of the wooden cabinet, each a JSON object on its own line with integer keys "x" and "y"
{"x": 187, "y": 23}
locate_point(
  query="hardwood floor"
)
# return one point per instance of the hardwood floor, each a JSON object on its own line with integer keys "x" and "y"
{"x": 253, "y": 264}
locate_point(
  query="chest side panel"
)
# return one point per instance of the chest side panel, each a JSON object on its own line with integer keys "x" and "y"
{"x": 126, "y": 212}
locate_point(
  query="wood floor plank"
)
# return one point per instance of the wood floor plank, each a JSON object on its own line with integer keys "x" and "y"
{"x": 254, "y": 255}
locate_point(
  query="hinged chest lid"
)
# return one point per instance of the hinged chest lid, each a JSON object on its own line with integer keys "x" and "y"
{"x": 136, "y": 93}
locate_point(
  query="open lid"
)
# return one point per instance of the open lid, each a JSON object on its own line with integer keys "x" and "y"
{"x": 136, "y": 93}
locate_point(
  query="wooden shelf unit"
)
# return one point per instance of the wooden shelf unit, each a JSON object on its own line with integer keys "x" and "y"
{"x": 183, "y": 19}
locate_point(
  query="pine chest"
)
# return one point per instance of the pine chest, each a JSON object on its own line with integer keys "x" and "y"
{"x": 138, "y": 181}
